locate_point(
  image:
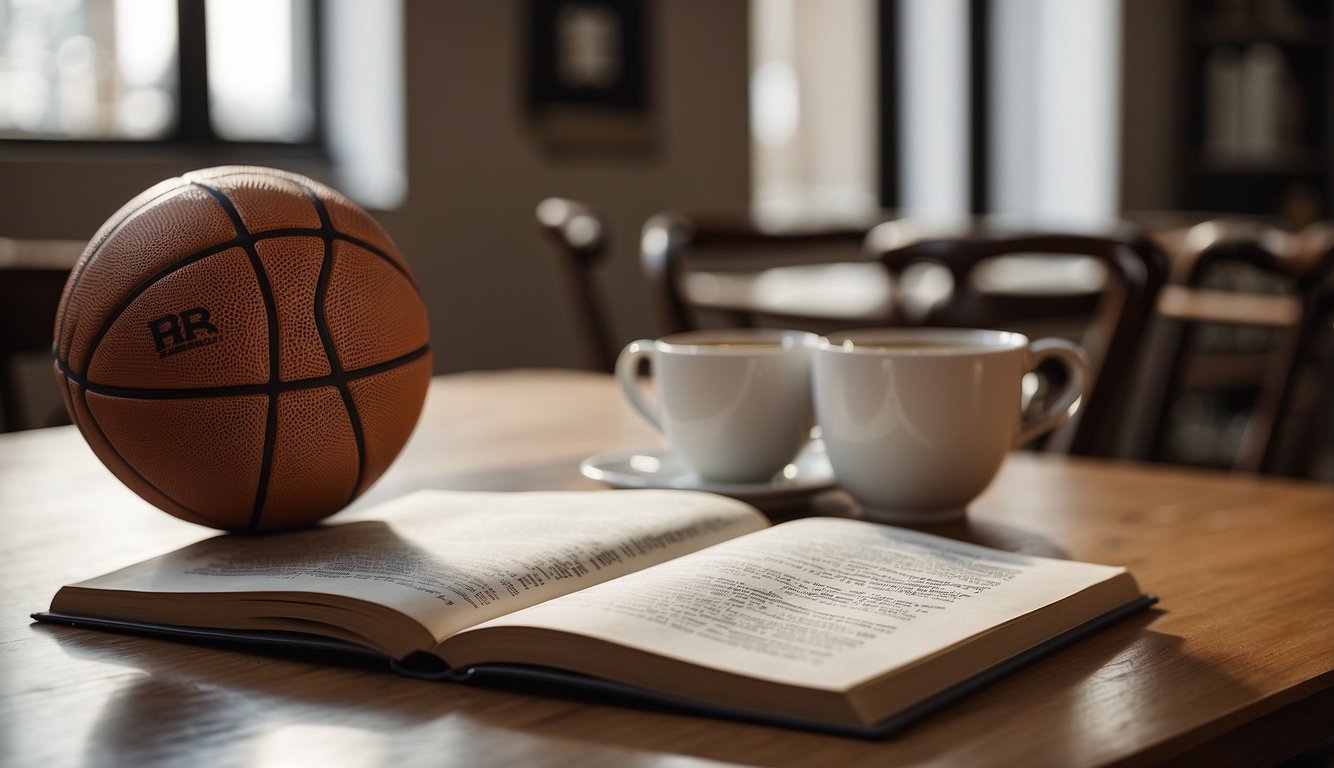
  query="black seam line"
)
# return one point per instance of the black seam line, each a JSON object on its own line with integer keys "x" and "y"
{"x": 145, "y": 285}
{"x": 237, "y": 242}
{"x": 266, "y": 467}
{"x": 93, "y": 252}
{"x": 187, "y": 180}
{"x": 271, "y": 308}
{"x": 239, "y": 390}
{"x": 327, "y": 229}
{"x": 330, "y": 349}
{"x": 93, "y": 422}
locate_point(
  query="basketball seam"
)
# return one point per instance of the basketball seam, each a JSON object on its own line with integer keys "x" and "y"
{"x": 276, "y": 388}
{"x": 236, "y": 242}
{"x": 295, "y": 179}
{"x": 336, "y": 234}
{"x": 95, "y": 424}
{"x": 95, "y": 250}
{"x": 247, "y": 241}
{"x": 144, "y": 286}
{"x": 330, "y": 349}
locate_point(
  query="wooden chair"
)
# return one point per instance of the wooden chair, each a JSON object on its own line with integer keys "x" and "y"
{"x": 1102, "y": 285}
{"x": 860, "y": 276}
{"x": 32, "y": 277}
{"x": 1248, "y": 309}
{"x": 579, "y": 236}
{"x": 1305, "y": 405}
{"x": 724, "y": 269}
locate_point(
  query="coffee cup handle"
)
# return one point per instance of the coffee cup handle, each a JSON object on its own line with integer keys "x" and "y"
{"x": 627, "y": 374}
{"x": 1076, "y": 364}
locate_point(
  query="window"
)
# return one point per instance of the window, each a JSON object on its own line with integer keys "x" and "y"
{"x": 813, "y": 110}
{"x": 158, "y": 70}
{"x": 1008, "y": 107}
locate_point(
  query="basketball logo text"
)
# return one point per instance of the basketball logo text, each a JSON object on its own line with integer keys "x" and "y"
{"x": 173, "y": 334}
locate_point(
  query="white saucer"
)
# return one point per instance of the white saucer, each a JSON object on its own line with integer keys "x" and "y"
{"x": 809, "y": 474}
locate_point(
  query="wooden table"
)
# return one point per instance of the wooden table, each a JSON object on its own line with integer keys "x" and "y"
{"x": 1236, "y": 664}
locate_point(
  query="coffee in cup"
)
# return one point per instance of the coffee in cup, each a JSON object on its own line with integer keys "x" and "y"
{"x": 734, "y": 405}
{"x": 917, "y": 422}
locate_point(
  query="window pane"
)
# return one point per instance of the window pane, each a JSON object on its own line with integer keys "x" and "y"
{"x": 259, "y": 69}
{"x": 87, "y": 69}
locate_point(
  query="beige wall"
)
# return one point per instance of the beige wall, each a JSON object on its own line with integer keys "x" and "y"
{"x": 476, "y": 173}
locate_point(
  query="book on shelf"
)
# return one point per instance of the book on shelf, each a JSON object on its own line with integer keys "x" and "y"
{"x": 680, "y": 599}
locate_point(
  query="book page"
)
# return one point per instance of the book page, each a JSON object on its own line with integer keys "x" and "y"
{"x": 453, "y": 559}
{"x": 820, "y": 602}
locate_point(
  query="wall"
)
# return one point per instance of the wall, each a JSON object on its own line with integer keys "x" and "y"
{"x": 475, "y": 173}
{"x": 1152, "y": 92}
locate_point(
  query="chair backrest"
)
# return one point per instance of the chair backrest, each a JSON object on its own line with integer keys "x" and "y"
{"x": 579, "y": 235}
{"x": 858, "y": 276}
{"x": 1003, "y": 278}
{"x": 1304, "y": 418}
{"x": 730, "y": 268}
{"x": 32, "y": 277}
{"x": 1247, "y": 310}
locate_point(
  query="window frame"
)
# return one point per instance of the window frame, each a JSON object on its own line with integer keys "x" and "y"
{"x": 193, "y": 131}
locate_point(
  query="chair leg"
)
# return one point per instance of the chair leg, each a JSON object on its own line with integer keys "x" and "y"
{"x": 1179, "y": 341}
{"x": 602, "y": 351}
{"x": 1257, "y": 451}
{"x": 1316, "y": 331}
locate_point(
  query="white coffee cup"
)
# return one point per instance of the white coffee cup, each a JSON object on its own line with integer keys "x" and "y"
{"x": 735, "y": 404}
{"x": 917, "y": 422}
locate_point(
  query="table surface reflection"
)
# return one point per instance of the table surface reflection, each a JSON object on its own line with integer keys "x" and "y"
{"x": 1235, "y": 663}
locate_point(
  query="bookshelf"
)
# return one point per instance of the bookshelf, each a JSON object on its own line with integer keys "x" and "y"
{"x": 1258, "y": 108}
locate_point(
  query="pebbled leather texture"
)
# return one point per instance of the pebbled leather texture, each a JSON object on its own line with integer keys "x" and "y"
{"x": 244, "y": 348}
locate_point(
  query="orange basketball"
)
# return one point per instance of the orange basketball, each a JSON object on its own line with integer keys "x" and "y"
{"x": 244, "y": 348}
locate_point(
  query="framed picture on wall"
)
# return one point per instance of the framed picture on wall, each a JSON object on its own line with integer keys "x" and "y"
{"x": 588, "y": 75}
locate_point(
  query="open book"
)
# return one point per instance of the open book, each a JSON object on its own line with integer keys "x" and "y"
{"x": 681, "y": 598}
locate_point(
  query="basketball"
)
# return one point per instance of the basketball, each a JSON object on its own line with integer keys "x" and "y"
{"x": 245, "y": 348}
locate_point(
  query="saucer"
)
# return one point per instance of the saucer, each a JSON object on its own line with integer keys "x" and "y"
{"x": 809, "y": 474}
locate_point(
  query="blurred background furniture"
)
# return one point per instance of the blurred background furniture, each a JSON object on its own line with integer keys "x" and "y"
{"x": 715, "y": 268}
{"x": 1246, "y": 331}
{"x": 1314, "y": 371}
{"x": 32, "y": 277}
{"x": 579, "y": 236}
{"x": 1098, "y": 289}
